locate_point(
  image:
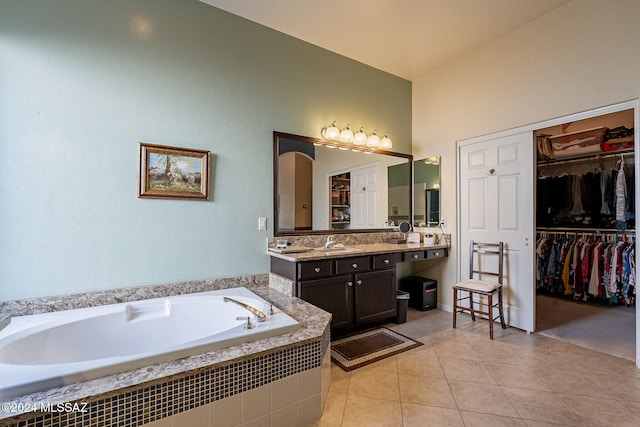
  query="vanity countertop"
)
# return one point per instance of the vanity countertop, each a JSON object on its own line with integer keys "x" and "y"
{"x": 355, "y": 250}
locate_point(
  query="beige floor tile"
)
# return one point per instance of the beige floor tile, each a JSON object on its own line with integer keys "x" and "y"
{"x": 420, "y": 416}
{"x": 455, "y": 349}
{"x": 620, "y": 387}
{"x": 543, "y": 406}
{"x": 532, "y": 423}
{"x": 466, "y": 370}
{"x": 516, "y": 376}
{"x": 380, "y": 384}
{"x": 340, "y": 380}
{"x": 496, "y": 352}
{"x": 597, "y": 411}
{"x": 421, "y": 362}
{"x": 426, "y": 391}
{"x": 333, "y": 411}
{"x": 563, "y": 381}
{"x": 634, "y": 407}
{"x": 388, "y": 364}
{"x": 483, "y": 398}
{"x": 475, "y": 419}
{"x": 363, "y": 411}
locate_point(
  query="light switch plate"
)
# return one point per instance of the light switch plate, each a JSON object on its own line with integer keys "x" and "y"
{"x": 262, "y": 223}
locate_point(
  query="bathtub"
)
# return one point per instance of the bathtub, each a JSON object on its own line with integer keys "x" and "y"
{"x": 42, "y": 351}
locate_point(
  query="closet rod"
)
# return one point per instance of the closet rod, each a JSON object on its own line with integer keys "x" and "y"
{"x": 584, "y": 230}
{"x": 585, "y": 158}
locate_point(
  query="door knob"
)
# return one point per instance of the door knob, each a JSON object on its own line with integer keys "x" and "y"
{"x": 359, "y": 282}
{"x": 491, "y": 172}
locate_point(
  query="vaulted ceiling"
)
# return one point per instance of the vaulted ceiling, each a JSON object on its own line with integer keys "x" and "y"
{"x": 406, "y": 38}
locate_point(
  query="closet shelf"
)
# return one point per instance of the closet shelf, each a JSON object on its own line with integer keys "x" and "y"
{"x": 586, "y": 157}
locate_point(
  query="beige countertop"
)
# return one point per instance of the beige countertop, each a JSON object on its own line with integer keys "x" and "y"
{"x": 355, "y": 250}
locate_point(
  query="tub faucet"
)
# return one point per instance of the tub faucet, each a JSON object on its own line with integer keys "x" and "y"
{"x": 329, "y": 242}
{"x": 260, "y": 315}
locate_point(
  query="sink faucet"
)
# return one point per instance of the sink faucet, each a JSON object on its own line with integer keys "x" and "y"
{"x": 329, "y": 242}
{"x": 260, "y": 315}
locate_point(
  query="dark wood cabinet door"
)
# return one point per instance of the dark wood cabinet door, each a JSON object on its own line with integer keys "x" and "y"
{"x": 333, "y": 294}
{"x": 375, "y": 296}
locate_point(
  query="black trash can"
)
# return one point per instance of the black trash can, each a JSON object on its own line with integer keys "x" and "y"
{"x": 402, "y": 299}
{"x": 423, "y": 291}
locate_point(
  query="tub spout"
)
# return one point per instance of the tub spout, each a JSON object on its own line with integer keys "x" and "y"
{"x": 5, "y": 319}
{"x": 260, "y": 315}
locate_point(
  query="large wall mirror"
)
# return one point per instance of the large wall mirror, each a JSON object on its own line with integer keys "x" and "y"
{"x": 426, "y": 192}
{"x": 321, "y": 186}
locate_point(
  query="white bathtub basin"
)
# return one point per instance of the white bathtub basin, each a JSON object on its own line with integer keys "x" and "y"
{"x": 42, "y": 351}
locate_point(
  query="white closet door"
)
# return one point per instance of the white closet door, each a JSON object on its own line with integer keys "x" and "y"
{"x": 496, "y": 203}
{"x": 364, "y": 198}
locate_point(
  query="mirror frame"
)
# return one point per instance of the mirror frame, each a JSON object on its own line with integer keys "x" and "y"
{"x": 276, "y": 137}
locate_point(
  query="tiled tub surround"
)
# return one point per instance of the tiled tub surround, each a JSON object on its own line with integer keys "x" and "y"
{"x": 212, "y": 379}
{"x": 47, "y": 350}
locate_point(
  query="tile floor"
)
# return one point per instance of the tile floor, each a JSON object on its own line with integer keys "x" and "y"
{"x": 461, "y": 378}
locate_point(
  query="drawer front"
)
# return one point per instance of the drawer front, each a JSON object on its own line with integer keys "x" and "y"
{"x": 315, "y": 269}
{"x": 384, "y": 261}
{"x": 436, "y": 253}
{"x": 413, "y": 256}
{"x": 353, "y": 265}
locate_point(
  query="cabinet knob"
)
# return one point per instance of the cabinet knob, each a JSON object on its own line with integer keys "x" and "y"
{"x": 317, "y": 269}
{"x": 354, "y": 265}
{"x": 349, "y": 283}
{"x": 386, "y": 261}
{"x": 359, "y": 282}
{"x": 415, "y": 256}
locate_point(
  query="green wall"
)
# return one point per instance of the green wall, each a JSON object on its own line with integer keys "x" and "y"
{"x": 82, "y": 82}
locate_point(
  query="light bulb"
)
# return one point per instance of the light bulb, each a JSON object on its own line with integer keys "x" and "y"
{"x": 346, "y": 135}
{"x": 373, "y": 139}
{"x": 331, "y": 132}
{"x": 360, "y": 138}
{"x": 386, "y": 142}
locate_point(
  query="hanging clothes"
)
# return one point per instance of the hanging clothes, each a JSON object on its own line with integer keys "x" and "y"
{"x": 621, "y": 199}
{"x": 589, "y": 268}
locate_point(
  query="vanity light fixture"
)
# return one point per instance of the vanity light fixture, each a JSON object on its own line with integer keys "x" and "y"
{"x": 359, "y": 138}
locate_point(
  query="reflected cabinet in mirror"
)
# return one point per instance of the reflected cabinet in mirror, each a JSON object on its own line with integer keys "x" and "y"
{"x": 426, "y": 192}
{"x": 322, "y": 186}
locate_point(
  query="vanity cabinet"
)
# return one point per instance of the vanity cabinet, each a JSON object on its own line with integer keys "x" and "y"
{"x": 355, "y": 290}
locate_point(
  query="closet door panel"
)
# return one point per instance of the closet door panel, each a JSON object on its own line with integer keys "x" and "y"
{"x": 476, "y": 218}
{"x": 509, "y": 203}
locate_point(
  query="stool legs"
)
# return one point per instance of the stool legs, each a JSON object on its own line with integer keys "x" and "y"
{"x": 504, "y": 326}
{"x": 455, "y": 306}
{"x": 473, "y": 315}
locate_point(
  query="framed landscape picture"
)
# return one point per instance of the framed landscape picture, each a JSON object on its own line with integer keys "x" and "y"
{"x": 173, "y": 172}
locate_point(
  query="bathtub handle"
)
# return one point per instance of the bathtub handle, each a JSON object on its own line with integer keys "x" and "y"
{"x": 249, "y": 325}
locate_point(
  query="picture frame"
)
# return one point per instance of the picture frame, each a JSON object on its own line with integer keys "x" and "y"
{"x": 167, "y": 172}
